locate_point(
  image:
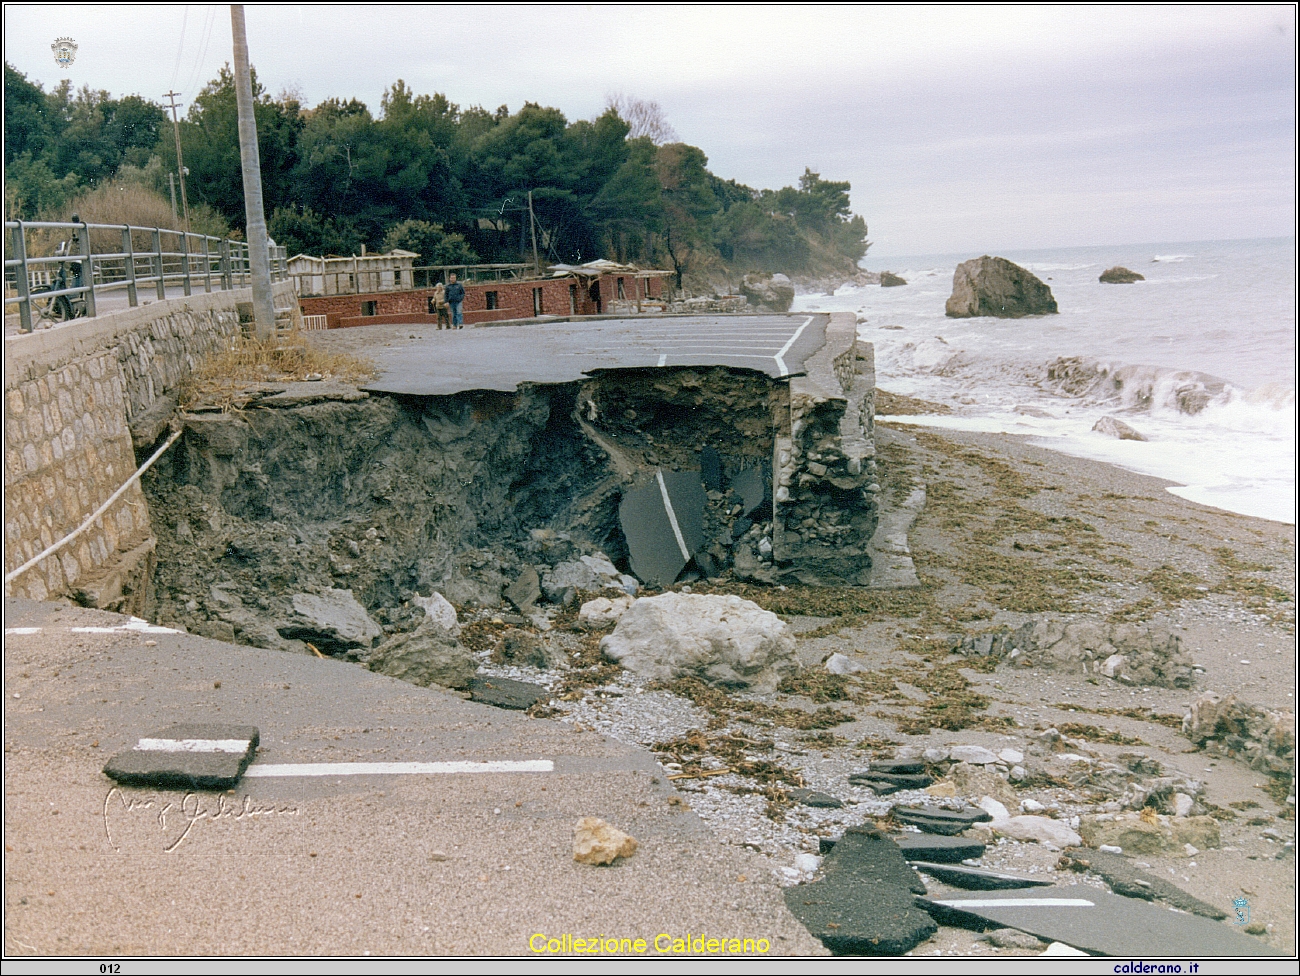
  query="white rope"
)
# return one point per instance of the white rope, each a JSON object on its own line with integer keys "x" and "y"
{"x": 10, "y": 577}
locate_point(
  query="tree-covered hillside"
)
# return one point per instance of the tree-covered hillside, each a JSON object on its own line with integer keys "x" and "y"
{"x": 451, "y": 183}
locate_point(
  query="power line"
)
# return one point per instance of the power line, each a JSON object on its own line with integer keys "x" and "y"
{"x": 180, "y": 48}
{"x": 196, "y": 76}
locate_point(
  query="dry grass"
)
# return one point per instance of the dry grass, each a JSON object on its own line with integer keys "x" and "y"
{"x": 224, "y": 378}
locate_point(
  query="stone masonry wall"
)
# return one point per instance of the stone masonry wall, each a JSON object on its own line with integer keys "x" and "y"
{"x": 73, "y": 396}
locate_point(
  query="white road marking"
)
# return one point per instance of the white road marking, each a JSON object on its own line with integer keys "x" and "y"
{"x": 780, "y": 362}
{"x": 272, "y": 770}
{"x": 1016, "y": 903}
{"x": 134, "y": 625}
{"x": 663, "y": 359}
{"x": 672, "y": 516}
{"x": 192, "y": 745}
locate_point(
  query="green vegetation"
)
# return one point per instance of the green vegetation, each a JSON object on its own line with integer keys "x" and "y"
{"x": 425, "y": 174}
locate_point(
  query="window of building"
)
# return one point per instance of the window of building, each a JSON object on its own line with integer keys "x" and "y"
{"x": 492, "y": 300}
{"x": 368, "y": 308}
{"x": 537, "y": 301}
{"x": 622, "y": 295}
{"x": 397, "y": 277}
{"x": 573, "y": 299}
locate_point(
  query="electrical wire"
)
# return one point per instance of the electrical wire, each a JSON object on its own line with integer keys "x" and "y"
{"x": 197, "y": 76}
{"x": 180, "y": 48}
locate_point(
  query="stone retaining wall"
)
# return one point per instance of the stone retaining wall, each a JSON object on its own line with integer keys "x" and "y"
{"x": 74, "y": 397}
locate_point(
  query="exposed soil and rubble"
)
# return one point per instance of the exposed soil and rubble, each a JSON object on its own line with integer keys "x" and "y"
{"x": 1092, "y": 662}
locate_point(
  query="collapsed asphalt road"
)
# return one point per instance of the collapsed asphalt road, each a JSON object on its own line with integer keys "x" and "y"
{"x": 331, "y": 864}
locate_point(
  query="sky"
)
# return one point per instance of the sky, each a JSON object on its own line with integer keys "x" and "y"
{"x": 961, "y": 129}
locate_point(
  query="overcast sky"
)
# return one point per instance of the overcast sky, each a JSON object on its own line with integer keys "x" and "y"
{"x": 960, "y": 129}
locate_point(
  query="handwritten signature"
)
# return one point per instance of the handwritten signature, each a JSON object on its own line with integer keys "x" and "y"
{"x": 190, "y": 810}
{"x": 503, "y": 206}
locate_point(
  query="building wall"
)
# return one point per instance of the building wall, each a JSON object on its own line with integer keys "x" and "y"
{"x": 73, "y": 395}
{"x": 514, "y": 300}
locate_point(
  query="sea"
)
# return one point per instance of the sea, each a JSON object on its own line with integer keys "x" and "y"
{"x": 1199, "y": 358}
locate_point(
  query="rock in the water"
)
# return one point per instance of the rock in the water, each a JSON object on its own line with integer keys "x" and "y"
{"x": 603, "y": 612}
{"x": 995, "y": 286}
{"x": 333, "y": 620}
{"x": 1114, "y": 427}
{"x": 1119, "y": 275}
{"x": 426, "y": 656}
{"x": 773, "y": 293}
{"x": 723, "y": 640}
{"x": 1262, "y": 738}
{"x": 525, "y": 590}
{"x": 596, "y": 842}
{"x": 438, "y": 610}
{"x": 890, "y": 280}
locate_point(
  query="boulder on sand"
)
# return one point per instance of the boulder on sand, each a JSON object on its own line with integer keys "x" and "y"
{"x": 1112, "y": 427}
{"x": 994, "y": 286}
{"x": 1119, "y": 276}
{"x": 722, "y": 640}
{"x": 773, "y": 293}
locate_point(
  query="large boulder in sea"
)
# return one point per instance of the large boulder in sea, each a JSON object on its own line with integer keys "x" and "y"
{"x": 994, "y": 286}
{"x": 722, "y": 640}
{"x": 773, "y": 293}
{"x": 1119, "y": 276}
{"x": 890, "y": 280}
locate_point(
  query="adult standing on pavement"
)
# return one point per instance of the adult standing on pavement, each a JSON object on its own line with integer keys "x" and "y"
{"x": 440, "y": 305}
{"x": 455, "y": 295}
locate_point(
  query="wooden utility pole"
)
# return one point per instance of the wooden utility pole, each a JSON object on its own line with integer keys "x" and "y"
{"x": 259, "y": 256}
{"x": 180, "y": 163}
{"x": 532, "y": 227}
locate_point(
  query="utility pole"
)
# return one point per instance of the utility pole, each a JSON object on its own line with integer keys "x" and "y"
{"x": 532, "y": 227}
{"x": 180, "y": 163}
{"x": 259, "y": 257}
{"x": 171, "y": 185}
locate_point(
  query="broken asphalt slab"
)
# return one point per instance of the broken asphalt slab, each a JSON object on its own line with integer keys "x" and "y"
{"x": 444, "y": 863}
{"x": 864, "y": 903}
{"x": 506, "y": 693}
{"x": 663, "y": 522}
{"x": 977, "y": 879}
{"x": 1097, "y": 922}
{"x": 937, "y": 820}
{"x": 1126, "y": 878}
{"x": 938, "y": 850}
{"x": 187, "y": 757}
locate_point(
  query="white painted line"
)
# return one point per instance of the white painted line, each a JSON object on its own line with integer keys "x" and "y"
{"x": 780, "y": 362}
{"x": 663, "y": 359}
{"x": 21, "y": 630}
{"x": 1016, "y": 903}
{"x": 271, "y": 770}
{"x": 672, "y": 516}
{"x": 192, "y": 745}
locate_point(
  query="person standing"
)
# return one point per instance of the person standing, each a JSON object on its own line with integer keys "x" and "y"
{"x": 455, "y": 296}
{"x": 440, "y": 305}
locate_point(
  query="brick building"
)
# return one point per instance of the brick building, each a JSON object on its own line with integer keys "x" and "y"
{"x": 589, "y": 289}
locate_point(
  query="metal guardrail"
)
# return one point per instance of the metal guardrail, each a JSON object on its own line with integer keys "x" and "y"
{"x": 65, "y": 285}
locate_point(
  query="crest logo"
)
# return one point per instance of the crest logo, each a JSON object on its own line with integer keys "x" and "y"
{"x": 65, "y": 51}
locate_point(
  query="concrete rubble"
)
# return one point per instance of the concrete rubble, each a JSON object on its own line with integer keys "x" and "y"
{"x": 596, "y": 842}
{"x": 723, "y": 640}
